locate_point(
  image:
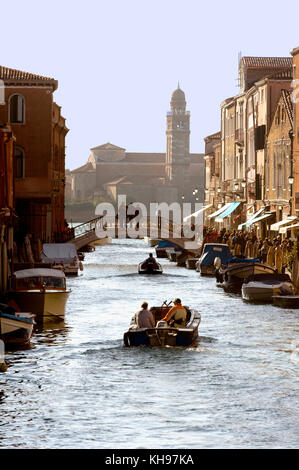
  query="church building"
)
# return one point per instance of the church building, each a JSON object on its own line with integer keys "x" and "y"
{"x": 176, "y": 175}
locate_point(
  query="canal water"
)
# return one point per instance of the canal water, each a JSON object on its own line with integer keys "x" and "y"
{"x": 79, "y": 387}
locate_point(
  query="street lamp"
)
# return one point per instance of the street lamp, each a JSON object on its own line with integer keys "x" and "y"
{"x": 291, "y": 180}
{"x": 219, "y": 189}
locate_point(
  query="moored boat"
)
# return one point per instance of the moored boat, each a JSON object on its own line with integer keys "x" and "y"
{"x": 16, "y": 328}
{"x": 41, "y": 291}
{"x": 161, "y": 248}
{"x": 64, "y": 255}
{"x": 262, "y": 287}
{"x": 163, "y": 335}
{"x": 206, "y": 263}
{"x": 232, "y": 277}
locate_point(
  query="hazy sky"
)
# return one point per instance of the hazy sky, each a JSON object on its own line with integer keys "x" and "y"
{"x": 118, "y": 61}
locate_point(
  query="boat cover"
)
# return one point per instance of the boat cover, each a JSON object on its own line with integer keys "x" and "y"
{"x": 38, "y": 272}
{"x": 166, "y": 244}
{"x": 215, "y": 251}
{"x": 58, "y": 252}
{"x": 243, "y": 259}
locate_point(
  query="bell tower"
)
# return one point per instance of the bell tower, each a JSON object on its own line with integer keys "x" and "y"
{"x": 177, "y": 151}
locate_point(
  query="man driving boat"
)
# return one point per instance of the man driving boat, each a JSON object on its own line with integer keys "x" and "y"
{"x": 177, "y": 315}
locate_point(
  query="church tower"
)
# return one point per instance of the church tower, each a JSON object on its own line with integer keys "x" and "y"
{"x": 177, "y": 151}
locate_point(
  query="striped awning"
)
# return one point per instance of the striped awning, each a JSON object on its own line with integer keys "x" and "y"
{"x": 222, "y": 209}
{"x": 262, "y": 217}
{"x": 232, "y": 207}
{"x": 249, "y": 221}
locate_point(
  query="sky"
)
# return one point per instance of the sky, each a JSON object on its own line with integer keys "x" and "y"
{"x": 117, "y": 62}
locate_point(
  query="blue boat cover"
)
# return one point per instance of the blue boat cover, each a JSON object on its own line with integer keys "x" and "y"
{"x": 215, "y": 251}
{"x": 165, "y": 244}
{"x": 242, "y": 259}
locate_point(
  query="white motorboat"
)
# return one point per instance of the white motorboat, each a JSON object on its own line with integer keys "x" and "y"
{"x": 262, "y": 287}
{"x": 62, "y": 254}
{"x": 41, "y": 291}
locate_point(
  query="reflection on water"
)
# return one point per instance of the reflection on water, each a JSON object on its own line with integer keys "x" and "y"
{"x": 78, "y": 386}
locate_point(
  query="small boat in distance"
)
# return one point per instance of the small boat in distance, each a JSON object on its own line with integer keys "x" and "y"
{"x": 262, "y": 287}
{"x": 163, "y": 335}
{"x": 150, "y": 266}
{"x": 41, "y": 291}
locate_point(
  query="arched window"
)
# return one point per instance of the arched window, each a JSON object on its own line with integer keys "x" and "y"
{"x": 19, "y": 162}
{"x": 17, "y": 109}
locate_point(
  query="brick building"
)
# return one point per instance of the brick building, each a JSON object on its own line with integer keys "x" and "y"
{"x": 7, "y": 216}
{"x": 145, "y": 177}
{"x": 246, "y": 120}
{"x": 39, "y": 151}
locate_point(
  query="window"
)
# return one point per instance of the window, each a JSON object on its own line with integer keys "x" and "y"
{"x": 19, "y": 162}
{"x": 16, "y": 109}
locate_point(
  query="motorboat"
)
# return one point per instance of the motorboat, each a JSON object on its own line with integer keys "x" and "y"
{"x": 238, "y": 269}
{"x": 212, "y": 251}
{"x": 262, "y": 287}
{"x": 15, "y": 327}
{"x": 62, "y": 255}
{"x": 41, "y": 291}
{"x": 150, "y": 266}
{"x": 164, "y": 335}
{"x": 161, "y": 248}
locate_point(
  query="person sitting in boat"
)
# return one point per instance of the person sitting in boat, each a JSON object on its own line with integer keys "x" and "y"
{"x": 150, "y": 260}
{"x": 177, "y": 315}
{"x": 144, "y": 318}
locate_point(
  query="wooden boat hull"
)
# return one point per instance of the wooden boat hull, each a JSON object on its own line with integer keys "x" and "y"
{"x": 286, "y": 301}
{"x": 16, "y": 329}
{"x": 44, "y": 304}
{"x": 233, "y": 276}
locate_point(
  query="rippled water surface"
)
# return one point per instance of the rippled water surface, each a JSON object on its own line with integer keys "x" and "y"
{"x": 78, "y": 386}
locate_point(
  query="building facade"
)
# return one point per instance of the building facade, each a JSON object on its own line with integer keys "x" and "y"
{"x": 246, "y": 150}
{"x": 39, "y": 151}
{"x": 176, "y": 175}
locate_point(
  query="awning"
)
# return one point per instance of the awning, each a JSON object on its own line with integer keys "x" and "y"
{"x": 195, "y": 214}
{"x": 249, "y": 221}
{"x": 242, "y": 213}
{"x": 286, "y": 221}
{"x": 223, "y": 208}
{"x": 262, "y": 217}
{"x": 289, "y": 227}
{"x": 233, "y": 206}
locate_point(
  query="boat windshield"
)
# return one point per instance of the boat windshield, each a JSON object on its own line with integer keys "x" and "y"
{"x": 38, "y": 282}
